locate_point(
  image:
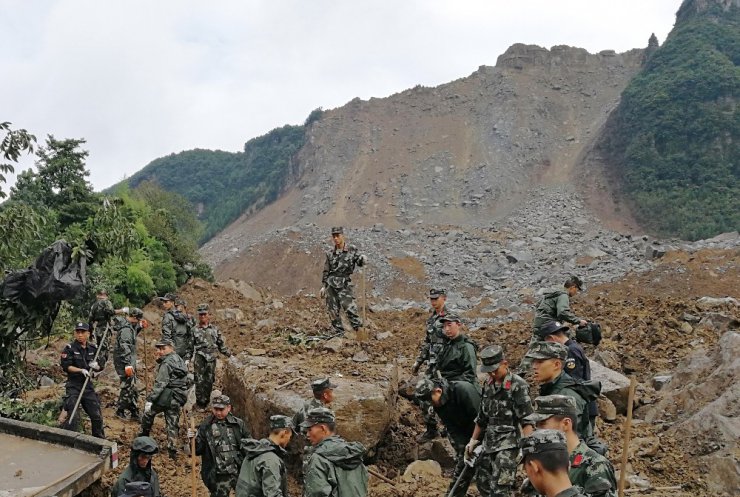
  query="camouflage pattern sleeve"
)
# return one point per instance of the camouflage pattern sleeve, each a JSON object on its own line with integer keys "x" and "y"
{"x": 481, "y": 418}
{"x": 327, "y": 268}
{"x": 161, "y": 381}
{"x": 221, "y": 344}
{"x": 522, "y": 403}
{"x": 592, "y": 472}
{"x": 563, "y": 310}
{"x": 168, "y": 326}
{"x": 127, "y": 343}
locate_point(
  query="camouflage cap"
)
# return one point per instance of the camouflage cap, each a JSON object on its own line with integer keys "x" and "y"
{"x": 137, "y": 489}
{"x": 181, "y": 301}
{"x": 169, "y": 296}
{"x": 437, "y": 292}
{"x": 450, "y": 316}
{"x": 145, "y": 445}
{"x": 321, "y": 384}
{"x": 547, "y": 406}
{"x": 490, "y": 358}
{"x": 136, "y": 313}
{"x": 547, "y": 350}
{"x": 423, "y": 389}
{"x": 542, "y": 441}
{"x": 318, "y": 415}
{"x": 164, "y": 342}
{"x": 278, "y": 422}
{"x": 203, "y": 308}
{"x": 101, "y": 291}
{"x": 337, "y": 230}
{"x": 550, "y": 328}
{"x": 220, "y": 401}
{"x": 82, "y": 326}
{"x": 574, "y": 280}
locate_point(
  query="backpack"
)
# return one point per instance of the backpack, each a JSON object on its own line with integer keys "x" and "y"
{"x": 591, "y": 333}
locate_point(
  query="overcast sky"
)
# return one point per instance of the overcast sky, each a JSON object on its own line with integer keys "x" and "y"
{"x": 142, "y": 79}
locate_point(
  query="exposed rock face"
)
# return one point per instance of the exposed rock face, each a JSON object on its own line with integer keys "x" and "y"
{"x": 702, "y": 402}
{"x": 614, "y": 385}
{"x": 364, "y": 410}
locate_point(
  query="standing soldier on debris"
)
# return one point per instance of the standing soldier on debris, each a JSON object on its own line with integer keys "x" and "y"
{"x": 168, "y": 319}
{"x": 456, "y": 361}
{"x": 207, "y": 341}
{"x": 323, "y": 395}
{"x": 456, "y": 403}
{"x": 588, "y": 469}
{"x": 78, "y": 361}
{"x": 124, "y": 362}
{"x": 548, "y": 360}
{"x": 139, "y": 468}
{"x": 220, "y": 441}
{"x": 577, "y": 364}
{"x": 168, "y": 394}
{"x": 429, "y": 352}
{"x": 336, "y": 282}
{"x": 101, "y": 312}
{"x": 544, "y": 455}
{"x": 183, "y": 331}
{"x": 500, "y": 424}
{"x": 263, "y": 472}
{"x": 334, "y": 467}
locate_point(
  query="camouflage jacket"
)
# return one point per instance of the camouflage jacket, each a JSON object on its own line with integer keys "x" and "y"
{"x": 501, "y": 412}
{"x": 457, "y": 361}
{"x": 207, "y": 340}
{"x": 567, "y": 385}
{"x": 221, "y": 445}
{"x": 300, "y": 416}
{"x": 433, "y": 339}
{"x": 592, "y": 472}
{"x": 339, "y": 266}
{"x": 183, "y": 335}
{"x": 263, "y": 472}
{"x": 168, "y": 325}
{"x": 171, "y": 373}
{"x": 334, "y": 468}
{"x": 571, "y": 492}
{"x": 101, "y": 312}
{"x": 124, "y": 350}
{"x": 554, "y": 306}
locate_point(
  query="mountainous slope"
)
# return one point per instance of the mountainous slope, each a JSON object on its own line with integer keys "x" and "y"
{"x": 674, "y": 140}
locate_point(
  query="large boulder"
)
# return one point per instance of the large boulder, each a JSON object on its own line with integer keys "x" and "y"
{"x": 614, "y": 385}
{"x": 364, "y": 410}
{"x": 702, "y": 406}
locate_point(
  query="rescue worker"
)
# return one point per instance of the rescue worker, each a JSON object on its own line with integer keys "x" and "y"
{"x": 78, "y": 361}
{"x": 263, "y": 472}
{"x": 544, "y": 455}
{"x": 182, "y": 335}
{"x": 207, "y": 341}
{"x": 139, "y": 468}
{"x": 124, "y": 362}
{"x": 168, "y": 319}
{"x": 456, "y": 361}
{"x": 101, "y": 313}
{"x": 323, "y": 395}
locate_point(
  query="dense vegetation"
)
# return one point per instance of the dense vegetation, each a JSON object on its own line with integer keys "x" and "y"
{"x": 137, "y": 244}
{"x": 676, "y": 133}
{"x": 223, "y": 185}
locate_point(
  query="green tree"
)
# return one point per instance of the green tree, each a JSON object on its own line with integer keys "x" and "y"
{"x": 14, "y": 143}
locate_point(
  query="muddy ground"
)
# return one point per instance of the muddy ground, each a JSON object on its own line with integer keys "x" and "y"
{"x": 641, "y": 315}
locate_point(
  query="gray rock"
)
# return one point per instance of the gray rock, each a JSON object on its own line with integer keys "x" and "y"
{"x": 614, "y": 385}
{"x": 45, "y": 381}
{"x": 422, "y": 470}
{"x": 265, "y": 323}
{"x": 230, "y": 314}
{"x": 361, "y": 356}
{"x": 661, "y": 381}
{"x": 706, "y": 303}
{"x": 334, "y": 345}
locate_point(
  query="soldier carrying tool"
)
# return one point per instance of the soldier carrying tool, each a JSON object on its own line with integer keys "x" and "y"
{"x": 336, "y": 281}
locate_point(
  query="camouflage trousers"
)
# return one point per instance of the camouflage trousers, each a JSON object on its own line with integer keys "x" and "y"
{"x": 104, "y": 347}
{"x": 128, "y": 397}
{"x": 430, "y": 417}
{"x": 205, "y": 376}
{"x": 171, "y": 421}
{"x": 496, "y": 473}
{"x": 222, "y": 485}
{"x": 460, "y": 467}
{"x": 338, "y": 300}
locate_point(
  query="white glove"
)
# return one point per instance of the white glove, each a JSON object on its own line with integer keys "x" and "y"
{"x": 470, "y": 448}
{"x": 125, "y": 310}
{"x": 322, "y": 292}
{"x": 187, "y": 362}
{"x": 191, "y": 433}
{"x": 147, "y": 407}
{"x": 85, "y": 373}
{"x": 94, "y": 365}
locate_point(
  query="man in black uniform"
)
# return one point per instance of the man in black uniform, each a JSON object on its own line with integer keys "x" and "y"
{"x": 576, "y": 364}
{"x": 78, "y": 361}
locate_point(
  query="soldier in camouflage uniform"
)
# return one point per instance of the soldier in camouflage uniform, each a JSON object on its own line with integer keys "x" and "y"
{"x": 124, "y": 362}
{"x": 168, "y": 394}
{"x": 263, "y": 472}
{"x": 101, "y": 312}
{"x": 548, "y": 360}
{"x": 544, "y": 455}
{"x": 220, "y": 441}
{"x": 430, "y": 350}
{"x": 500, "y": 423}
{"x": 182, "y": 333}
{"x": 588, "y": 469}
{"x": 323, "y": 395}
{"x": 456, "y": 403}
{"x": 336, "y": 281}
{"x": 207, "y": 341}
{"x": 334, "y": 468}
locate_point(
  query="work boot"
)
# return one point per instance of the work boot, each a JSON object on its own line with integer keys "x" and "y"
{"x": 172, "y": 453}
{"x": 135, "y": 416}
{"x": 428, "y": 435}
{"x": 121, "y": 414}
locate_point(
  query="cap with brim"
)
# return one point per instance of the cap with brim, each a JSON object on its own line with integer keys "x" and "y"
{"x": 541, "y": 441}
{"x": 435, "y": 293}
{"x": 322, "y": 384}
{"x": 203, "y": 308}
{"x": 318, "y": 415}
{"x": 164, "y": 343}
{"x": 553, "y": 405}
{"x": 279, "y": 422}
{"x": 169, "y": 296}
{"x": 547, "y": 350}
{"x": 220, "y": 401}
{"x": 337, "y": 230}
{"x": 550, "y": 328}
{"x": 491, "y": 358}
{"x": 82, "y": 326}
{"x": 450, "y": 317}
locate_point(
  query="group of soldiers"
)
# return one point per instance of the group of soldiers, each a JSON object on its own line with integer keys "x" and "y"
{"x": 493, "y": 426}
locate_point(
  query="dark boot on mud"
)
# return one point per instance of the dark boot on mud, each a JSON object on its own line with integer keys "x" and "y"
{"x": 121, "y": 414}
{"x": 135, "y": 416}
{"x": 429, "y": 435}
{"x": 172, "y": 453}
